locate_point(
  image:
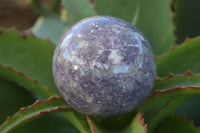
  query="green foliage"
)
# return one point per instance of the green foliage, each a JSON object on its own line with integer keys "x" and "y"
{"x": 186, "y": 19}
{"x": 26, "y": 69}
{"x": 78, "y": 9}
{"x": 39, "y": 108}
{"x": 45, "y": 28}
{"x": 29, "y": 56}
{"x": 180, "y": 59}
{"x": 124, "y": 9}
{"x": 137, "y": 125}
{"x": 13, "y": 97}
{"x": 155, "y": 22}
{"x": 174, "y": 124}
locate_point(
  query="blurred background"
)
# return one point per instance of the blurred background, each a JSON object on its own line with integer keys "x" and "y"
{"x": 17, "y": 13}
{"x": 23, "y": 13}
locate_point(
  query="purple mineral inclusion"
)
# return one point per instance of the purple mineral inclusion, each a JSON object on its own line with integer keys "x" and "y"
{"x": 104, "y": 67}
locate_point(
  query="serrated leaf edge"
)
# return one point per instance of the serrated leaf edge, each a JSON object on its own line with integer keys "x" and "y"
{"x": 38, "y": 102}
{"x": 172, "y": 48}
{"x": 141, "y": 121}
{"x": 173, "y": 7}
{"x": 24, "y": 34}
{"x": 28, "y": 78}
{"x": 183, "y": 118}
{"x": 192, "y": 122}
{"x": 176, "y": 88}
{"x": 171, "y": 75}
{"x": 92, "y": 127}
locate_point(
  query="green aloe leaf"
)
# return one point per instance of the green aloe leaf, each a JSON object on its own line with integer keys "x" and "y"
{"x": 180, "y": 59}
{"x": 38, "y": 109}
{"x": 124, "y": 9}
{"x": 12, "y": 97}
{"x": 186, "y": 19}
{"x": 190, "y": 110}
{"x": 114, "y": 125}
{"x": 166, "y": 110}
{"x": 155, "y": 22}
{"x": 79, "y": 9}
{"x": 51, "y": 123}
{"x": 26, "y": 55}
{"x": 31, "y": 85}
{"x": 137, "y": 125}
{"x": 173, "y": 124}
{"x": 129, "y": 123}
{"x": 182, "y": 80}
{"x": 49, "y": 27}
{"x": 164, "y": 102}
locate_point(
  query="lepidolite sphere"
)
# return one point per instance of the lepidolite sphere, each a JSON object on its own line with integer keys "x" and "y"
{"x": 104, "y": 67}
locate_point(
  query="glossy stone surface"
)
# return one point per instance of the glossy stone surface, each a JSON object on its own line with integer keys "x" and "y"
{"x": 104, "y": 67}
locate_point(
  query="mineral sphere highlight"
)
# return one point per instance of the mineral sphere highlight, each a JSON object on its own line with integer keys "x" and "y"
{"x": 104, "y": 67}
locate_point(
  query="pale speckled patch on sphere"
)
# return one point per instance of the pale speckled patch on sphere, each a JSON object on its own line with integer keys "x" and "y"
{"x": 104, "y": 67}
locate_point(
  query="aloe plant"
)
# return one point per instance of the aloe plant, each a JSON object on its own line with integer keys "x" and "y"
{"x": 29, "y": 98}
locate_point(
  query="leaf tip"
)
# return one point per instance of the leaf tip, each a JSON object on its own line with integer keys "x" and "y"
{"x": 141, "y": 121}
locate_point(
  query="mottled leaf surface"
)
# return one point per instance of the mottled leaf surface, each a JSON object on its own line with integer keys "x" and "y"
{"x": 180, "y": 59}
{"x": 174, "y": 124}
{"x": 79, "y": 9}
{"x": 124, "y": 9}
{"x": 28, "y": 55}
{"x": 49, "y": 27}
{"x": 186, "y": 19}
{"x": 155, "y": 22}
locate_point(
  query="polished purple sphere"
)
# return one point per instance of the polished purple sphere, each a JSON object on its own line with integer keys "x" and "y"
{"x": 104, "y": 67}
